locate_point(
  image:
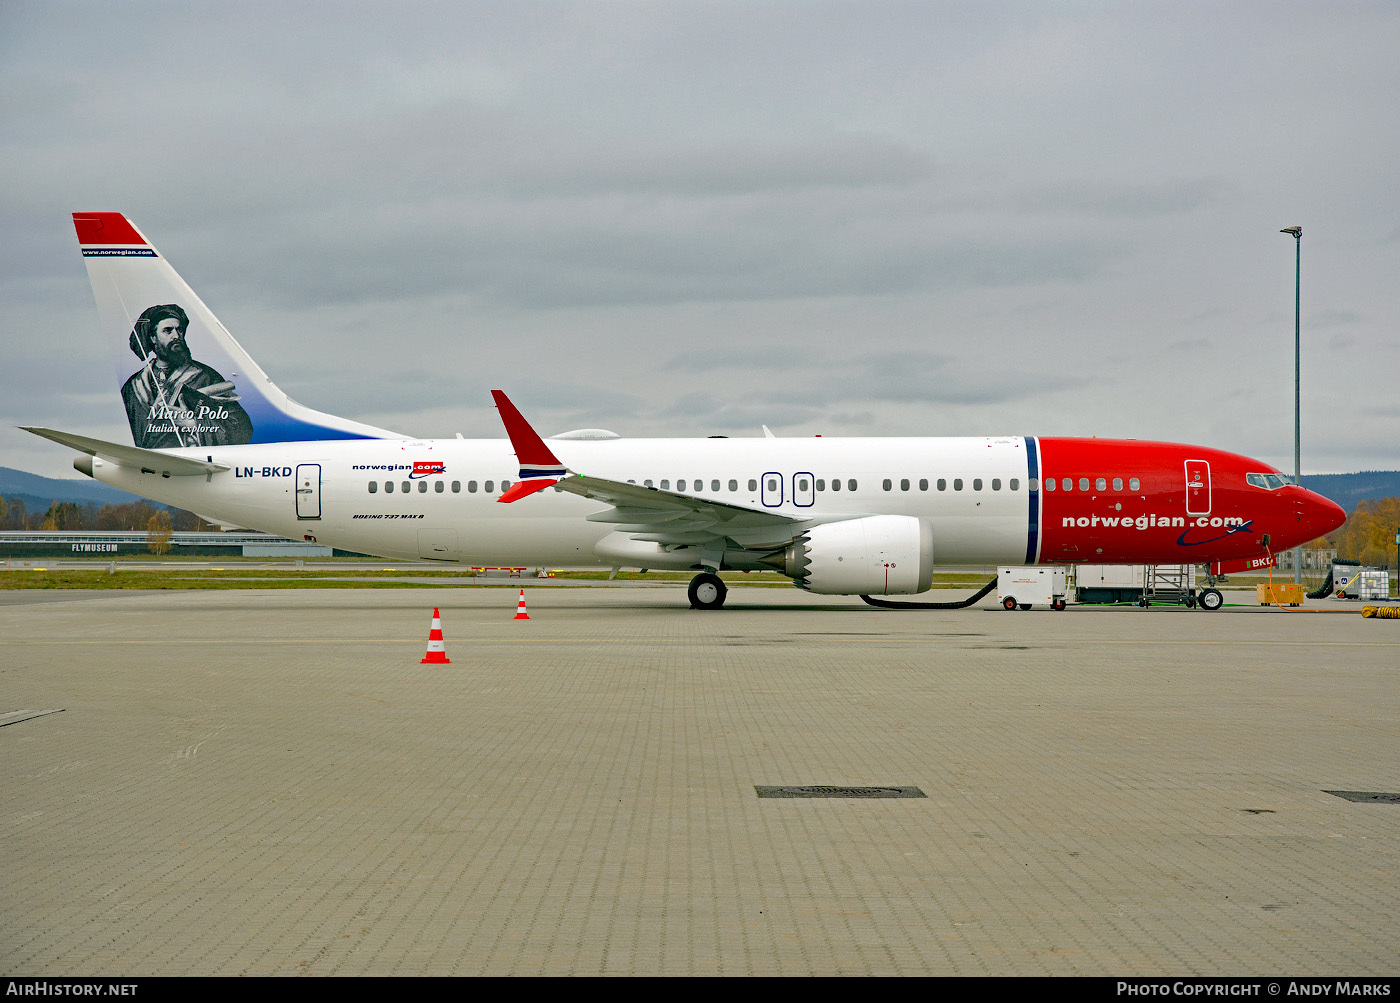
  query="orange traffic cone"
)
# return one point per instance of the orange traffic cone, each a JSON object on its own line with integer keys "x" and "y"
{"x": 437, "y": 650}
{"x": 520, "y": 613}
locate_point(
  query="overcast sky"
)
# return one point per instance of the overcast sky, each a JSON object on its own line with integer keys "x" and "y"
{"x": 698, "y": 218}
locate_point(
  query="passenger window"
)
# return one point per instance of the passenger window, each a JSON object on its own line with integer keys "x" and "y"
{"x": 1101, "y": 484}
{"x": 505, "y": 485}
{"x": 1117, "y": 484}
{"x": 648, "y": 483}
{"x": 489, "y": 487}
{"x": 923, "y": 483}
{"x": 1049, "y": 484}
{"x": 1083, "y": 484}
{"x": 977, "y": 484}
{"x": 887, "y": 484}
{"x": 753, "y": 484}
{"x": 1016, "y": 484}
{"x": 388, "y": 487}
{"x": 373, "y": 486}
{"x": 836, "y": 484}
{"x": 1134, "y": 484}
{"x": 456, "y": 487}
{"x": 680, "y": 485}
{"x": 942, "y": 484}
{"x": 665, "y": 485}
{"x": 714, "y": 486}
{"x": 734, "y": 485}
{"x": 904, "y": 484}
{"x": 471, "y": 487}
{"x": 407, "y": 487}
{"x": 801, "y": 484}
{"x": 821, "y": 484}
{"x": 996, "y": 483}
{"x": 422, "y": 487}
{"x": 850, "y": 485}
{"x": 438, "y": 486}
{"x": 1067, "y": 483}
{"x": 772, "y": 484}
{"x": 957, "y": 483}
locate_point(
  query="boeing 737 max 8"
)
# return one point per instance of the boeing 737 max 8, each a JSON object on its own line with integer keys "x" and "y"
{"x": 213, "y": 434}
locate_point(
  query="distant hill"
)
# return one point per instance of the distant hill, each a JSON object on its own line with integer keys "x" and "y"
{"x": 38, "y": 492}
{"x": 1349, "y": 490}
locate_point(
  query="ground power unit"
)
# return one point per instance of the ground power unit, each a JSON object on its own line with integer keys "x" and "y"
{"x": 1022, "y": 588}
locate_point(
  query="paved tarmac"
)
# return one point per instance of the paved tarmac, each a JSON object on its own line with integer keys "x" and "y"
{"x": 269, "y": 782}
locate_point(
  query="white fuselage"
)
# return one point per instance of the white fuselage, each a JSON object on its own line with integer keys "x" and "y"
{"x": 367, "y": 495}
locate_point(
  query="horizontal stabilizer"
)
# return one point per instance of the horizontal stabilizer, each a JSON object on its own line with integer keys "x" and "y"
{"x": 133, "y": 457}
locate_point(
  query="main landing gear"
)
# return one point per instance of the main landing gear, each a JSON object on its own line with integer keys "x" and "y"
{"x": 707, "y": 591}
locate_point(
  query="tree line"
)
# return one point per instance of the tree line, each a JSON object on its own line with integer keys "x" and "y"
{"x": 73, "y": 517}
{"x": 1368, "y": 535}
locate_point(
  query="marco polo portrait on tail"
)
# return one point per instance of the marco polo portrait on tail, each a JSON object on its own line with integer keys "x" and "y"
{"x": 173, "y": 400}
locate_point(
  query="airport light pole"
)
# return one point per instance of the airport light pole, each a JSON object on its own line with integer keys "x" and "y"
{"x": 1297, "y": 232}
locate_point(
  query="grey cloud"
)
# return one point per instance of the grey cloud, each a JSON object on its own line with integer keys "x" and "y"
{"x": 907, "y": 377}
{"x": 629, "y": 204}
{"x": 1333, "y": 318}
{"x": 709, "y": 360}
{"x": 1106, "y": 198}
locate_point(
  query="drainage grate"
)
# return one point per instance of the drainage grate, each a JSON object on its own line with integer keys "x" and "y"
{"x": 1368, "y": 797}
{"x": 839, "y": 792}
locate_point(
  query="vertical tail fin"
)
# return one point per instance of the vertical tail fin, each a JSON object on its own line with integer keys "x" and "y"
{"x": 185, "y": 381}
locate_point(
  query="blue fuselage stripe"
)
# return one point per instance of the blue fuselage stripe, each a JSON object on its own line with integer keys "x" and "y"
{"x": 1033, "y": 513}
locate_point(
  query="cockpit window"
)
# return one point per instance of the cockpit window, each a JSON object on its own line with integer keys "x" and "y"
{"x": 1269, "y": 482}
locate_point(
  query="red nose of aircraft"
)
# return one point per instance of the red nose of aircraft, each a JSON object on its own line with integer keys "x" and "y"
{"x": 1317, "y": 516}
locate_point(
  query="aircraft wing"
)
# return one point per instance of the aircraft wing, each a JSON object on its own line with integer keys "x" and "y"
{"x": 643, "y": 513}
{"x": 665, "y": 517}
{"x": 149, "y": 460}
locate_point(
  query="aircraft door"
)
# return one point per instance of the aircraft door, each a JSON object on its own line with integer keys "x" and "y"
{"x": 772, "y": 486}
{"x": 803, "y": 494}
{"x": 308, "y": 491}
{"x": 1197, "y": 487}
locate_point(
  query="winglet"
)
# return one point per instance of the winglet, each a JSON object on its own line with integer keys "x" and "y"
{"x": 539, "y": 467}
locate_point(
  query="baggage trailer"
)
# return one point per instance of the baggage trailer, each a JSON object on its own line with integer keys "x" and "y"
{"x": 1022, "y": 588}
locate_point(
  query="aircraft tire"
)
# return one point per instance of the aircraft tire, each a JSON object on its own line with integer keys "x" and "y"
{"x": 1211, "y": 600}
{"x": 707, "y": 591}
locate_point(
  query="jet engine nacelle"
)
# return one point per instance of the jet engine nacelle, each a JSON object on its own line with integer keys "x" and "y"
{"x": 876, "y": 555}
